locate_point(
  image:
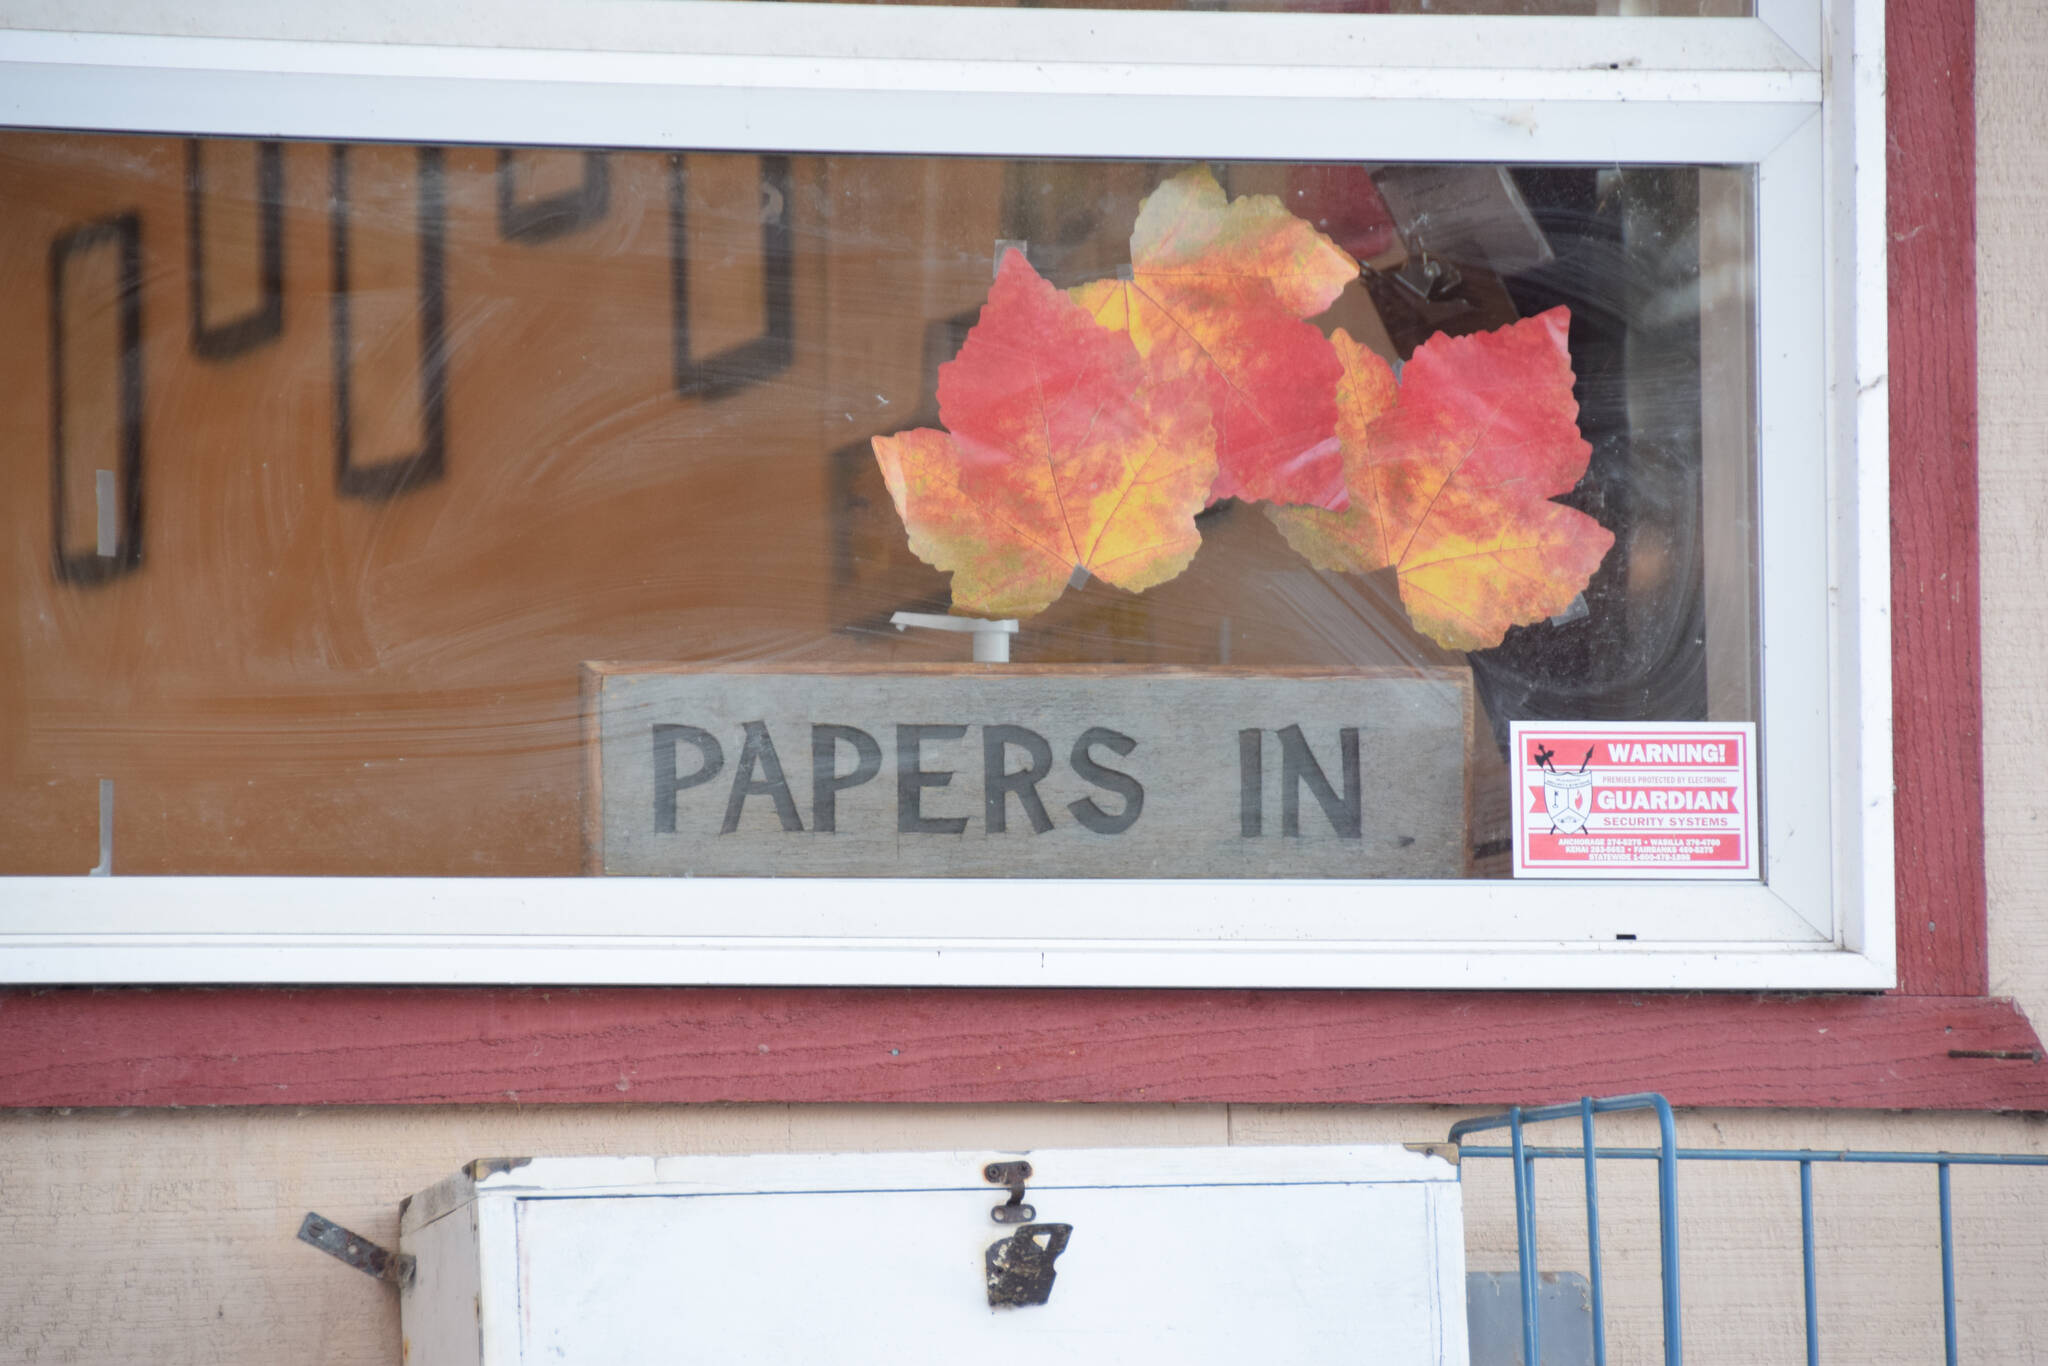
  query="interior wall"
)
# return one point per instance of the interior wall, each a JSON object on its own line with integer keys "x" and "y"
{"x": 166, "y": 1237}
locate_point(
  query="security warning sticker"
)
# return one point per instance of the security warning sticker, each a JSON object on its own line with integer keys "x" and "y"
{"x": 1623, "y": 799}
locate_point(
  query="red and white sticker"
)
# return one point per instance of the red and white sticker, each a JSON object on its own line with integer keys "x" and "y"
{"x": 1632, "y": 799}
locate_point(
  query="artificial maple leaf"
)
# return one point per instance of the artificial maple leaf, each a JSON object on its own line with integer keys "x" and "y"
{"x": 1064, "y": 452}
{"x": 1451, "y": 481}
{"x": 1217, "y": 293}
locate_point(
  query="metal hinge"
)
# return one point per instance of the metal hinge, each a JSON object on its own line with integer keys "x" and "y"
{"x": 1013, "y": 1175}
{"x": 357, "y": 1251}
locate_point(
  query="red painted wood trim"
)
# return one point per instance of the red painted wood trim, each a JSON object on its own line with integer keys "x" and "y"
{"x": 1937, "y": 712}
{"x": 401, "y": 1045}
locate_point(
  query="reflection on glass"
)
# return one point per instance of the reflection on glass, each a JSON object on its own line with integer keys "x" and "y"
{"x": 335, "y": 465}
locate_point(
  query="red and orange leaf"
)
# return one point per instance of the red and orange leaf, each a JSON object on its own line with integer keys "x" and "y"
{"x": 994, "y": 574}
{"x": 1451, "y": 482}
{"x": 1356, "y": 540}
{"x": 1217, "y": 293}
{"x": 1063, "y": 452}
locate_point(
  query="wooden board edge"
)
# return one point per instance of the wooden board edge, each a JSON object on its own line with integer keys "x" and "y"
{"x": 1468, "y": 706}
{"x": 457, "y": 1045}
{"x": 968, "y": 668}
{"x": 591, "y": 689}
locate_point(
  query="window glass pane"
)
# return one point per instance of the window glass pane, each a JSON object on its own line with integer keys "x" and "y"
{"x": 333, "y": 467}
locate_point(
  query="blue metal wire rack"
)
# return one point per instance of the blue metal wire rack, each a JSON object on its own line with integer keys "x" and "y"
{"x": 1667, "y": 1155}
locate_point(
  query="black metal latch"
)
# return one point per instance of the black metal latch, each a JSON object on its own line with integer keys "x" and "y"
{"x": 1020, "y": 1270}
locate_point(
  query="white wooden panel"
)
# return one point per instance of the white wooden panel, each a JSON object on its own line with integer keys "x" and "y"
{"x": 1200, "y": 1277}
{"x": 1281, "y": 1255}
{"x": 447, "y": 1273}
{"x": 764, "y": 918}
{"x": 1799, "y": 836}
{"x": 917, "y": 108}
{"x": 742, "y": 28}
{"x": 1072, "y": 1168}
{"x": 1859, "y": 441}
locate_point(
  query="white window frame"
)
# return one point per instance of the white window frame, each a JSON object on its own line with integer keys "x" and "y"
{"x": 1798, "y": 93}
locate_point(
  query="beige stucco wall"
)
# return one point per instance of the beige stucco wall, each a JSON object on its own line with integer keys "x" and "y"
{"x": 166, "y": 1236}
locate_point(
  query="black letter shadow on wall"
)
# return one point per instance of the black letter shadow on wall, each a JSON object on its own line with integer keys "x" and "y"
{"x": 401, "y": 473}
{"x": 554, "y": 215}
{"x": 749, "y": 362}
{"x": 118, "y": 547}
{"x": 230, "y": 338}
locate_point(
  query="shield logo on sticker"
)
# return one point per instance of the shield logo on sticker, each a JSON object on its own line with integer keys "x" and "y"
{"x": 1569, "y": 799}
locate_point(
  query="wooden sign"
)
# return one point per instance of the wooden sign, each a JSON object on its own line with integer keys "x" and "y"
{"x": 1027, "y": 771}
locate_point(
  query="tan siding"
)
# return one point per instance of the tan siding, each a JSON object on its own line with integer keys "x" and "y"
{"x": 2012, "y": 303}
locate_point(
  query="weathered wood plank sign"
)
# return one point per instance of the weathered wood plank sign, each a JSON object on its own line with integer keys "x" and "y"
{"x": 1027, "y": 771}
